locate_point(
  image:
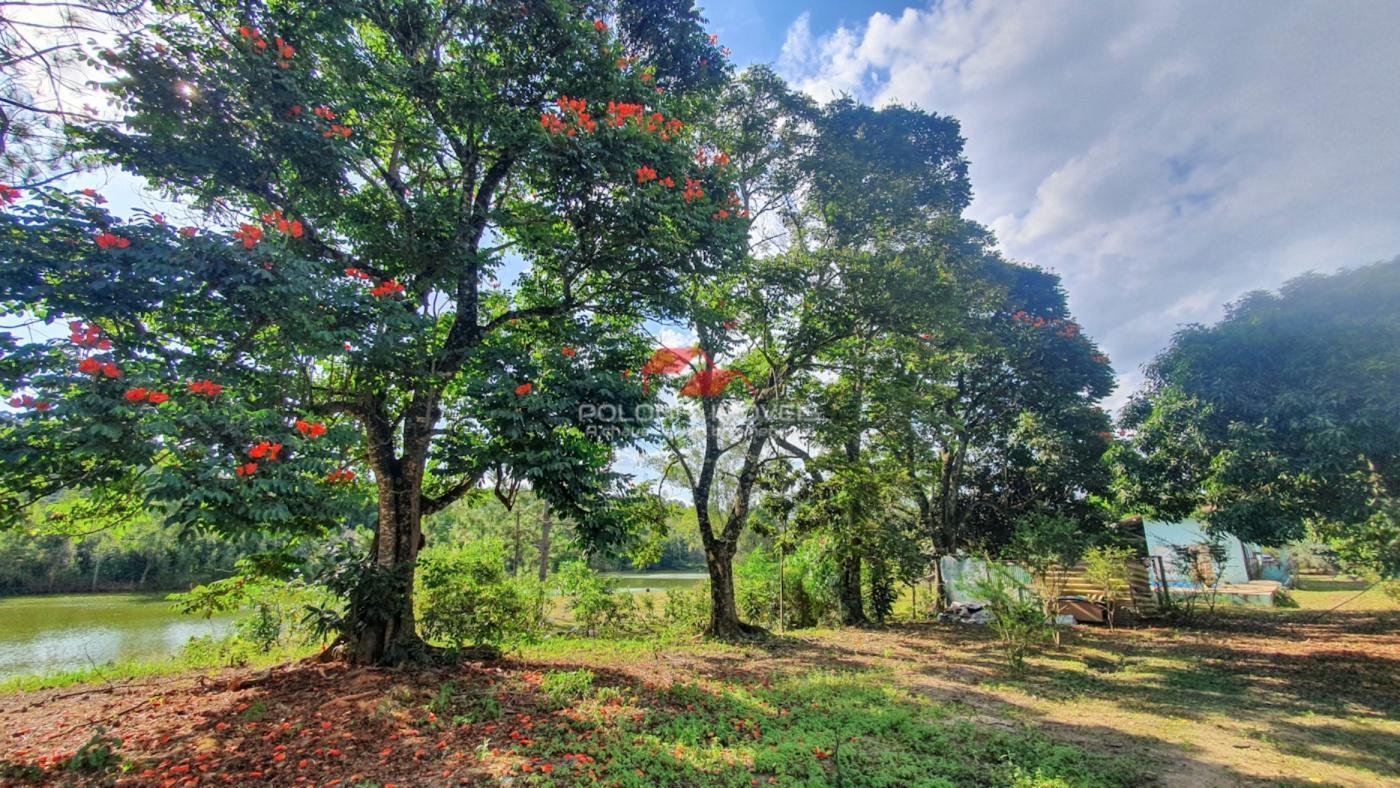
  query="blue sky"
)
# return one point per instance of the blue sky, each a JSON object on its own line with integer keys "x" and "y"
{"x": 1163, "y": 157}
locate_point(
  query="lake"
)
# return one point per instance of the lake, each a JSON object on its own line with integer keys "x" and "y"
{"x": 54, "y": 634}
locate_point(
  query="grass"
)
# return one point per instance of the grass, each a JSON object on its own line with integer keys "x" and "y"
{"x": 187, "y": 661}
{"x": 1248, "y": 696}
{"x": 1326, "y": 592}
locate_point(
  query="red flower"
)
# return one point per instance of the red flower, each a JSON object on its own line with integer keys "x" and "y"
{"x": 42, "y": 406}
{"x": 249, "y": 234}
{"x": 721, "y": 159}
{"x": 569, "y": 352}
{"x": 523, "y": 389}
{"x": 157, "y": 397}
{"x": 246, "y": 469}
{"x": 668, "y": 182}
{"x": 265, "y": 450}
{"x": 91, "y": 336}
{"x": 89, "y": 366}
{"x": 710, "y": 382}
{"x": 136, "y": 395}
{"x": 645, "y": 173}
{"x": 311, "y": 430}
{"x": 388, "y": 288}
{"x": 341, "y": 475}
{"x": 600, "y": 26}
{"x": 693, "y": 191}
{"x": 206, "y": 387}
{"x": 8, "y": 194}
{"x": 96, "y": 198}
{"x": 720, "y": 214}
{"x": 187, "y": 232}
{"x": 111, "y": 371}
{"x": 110, "y": 241}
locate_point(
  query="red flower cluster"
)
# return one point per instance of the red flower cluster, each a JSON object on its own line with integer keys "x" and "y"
{"x": 618, "y": 114}
{"x": 188, "y": 232}
{"x": 259, "y": 44}
{"x": 27, "y": 401}
{"x": 341, "y": 475}
{"x": 388, "y": 288}
{"x": 88, "y": 336}
{"x": 600, "y": 26}
{"x": 8, "y": 194}
{"x": 246, "y": 469}
{"x": 356, "y": 273}
{"x": 311, "y": 430}
{"x": 523, "y": 389}
{"x": 693, "y": 191}
{"x": 266, "y": 450}
{"x": 145, "y": 395}
{"x": 326, "y": 114}
{"x": 710, "y": 382}
{"x": 292, "y": 228}
{"x": 575, "y": 108}
{"x": 91, "y": 366}
{"x": 110, "y": 241}
{"x": 569, "y": 352}
{"x": 645, "y": 174}
{"x": 249, "y": 234}
{"x": 206, "y": 387}
{"x": 720, "y": 215}
{"x": 721, "y": 159}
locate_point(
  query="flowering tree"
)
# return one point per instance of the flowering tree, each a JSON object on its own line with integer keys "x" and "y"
{"x": 338, "y": 306}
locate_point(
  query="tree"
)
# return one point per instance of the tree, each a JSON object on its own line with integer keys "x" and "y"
{"x": 366, "y": 175}
{"x": 991, "y": 415}
{"x": 1281, "y": 417}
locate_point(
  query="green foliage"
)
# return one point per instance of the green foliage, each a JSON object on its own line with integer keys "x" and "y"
{"x": 1106, "y": 568}
{"x": 1281, "y": 416}
{"x": 97, "y": 756}
{"x": 1203, "y": 567}
{"x": 594, "y": 601}
{"x": 1018, "y": 612}
{"x": 466, "y": 598}
{"x": 566, "y": 687}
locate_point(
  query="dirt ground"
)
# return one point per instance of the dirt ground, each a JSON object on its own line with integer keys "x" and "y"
{"x": 1283, "y": 697}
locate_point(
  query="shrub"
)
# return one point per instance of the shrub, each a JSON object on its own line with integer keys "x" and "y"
{"x": 566, "y": 687}
{"x": 1018, "y": 613}
{"x": 1047, "y": 546}
{"x": 1107, "y": 569}
{"x": 465, "y": 598}
{"x": 687, "y": 610}
{"x": 594, "y": 602}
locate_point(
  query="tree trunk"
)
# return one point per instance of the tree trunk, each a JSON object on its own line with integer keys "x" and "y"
{"x": 145, "y": 570}
{"x": 96, "y": 567}
{"x": 518, "y": 557}
{"x": 852, "y": 610}
{"x": 724, "y": 610}
{"x": 546, "y": 525}
{"x": 385, "y": 624}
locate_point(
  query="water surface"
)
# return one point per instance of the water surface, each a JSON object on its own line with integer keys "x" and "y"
{"x": 54, "y": 634}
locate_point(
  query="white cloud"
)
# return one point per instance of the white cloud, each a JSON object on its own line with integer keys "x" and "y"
{"x": 1164, "y": 158}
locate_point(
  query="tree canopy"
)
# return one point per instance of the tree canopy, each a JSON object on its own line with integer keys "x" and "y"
{"x": 1281, "y": 416}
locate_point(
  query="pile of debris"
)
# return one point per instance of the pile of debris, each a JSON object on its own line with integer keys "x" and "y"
{"x": 965, "y": 613}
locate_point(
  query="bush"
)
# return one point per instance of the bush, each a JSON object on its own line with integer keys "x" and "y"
{"x": 465, "y": 598}
{"x": 594, "y": 602}
{"x": 566, "y": 687}
{"x": 807, "y": 589}
{"x": 1106, "y": 568}
{"x": 1018, "y": 614}
{"x": 687, "y": 610}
